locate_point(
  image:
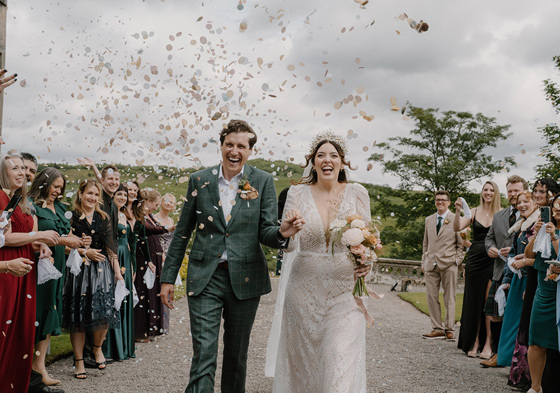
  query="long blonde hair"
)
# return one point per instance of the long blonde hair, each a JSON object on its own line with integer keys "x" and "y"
{"x": 496, "y": 202}
{"x": 5, "y": 181}
{"x": 84, "y": 185}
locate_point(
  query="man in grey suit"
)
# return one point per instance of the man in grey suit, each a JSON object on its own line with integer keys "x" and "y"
{"x": 498, "y": 243}
{"x": 442, "y": 253}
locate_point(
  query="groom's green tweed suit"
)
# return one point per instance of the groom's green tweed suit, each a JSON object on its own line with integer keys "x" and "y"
{"x": 251, "y": 223}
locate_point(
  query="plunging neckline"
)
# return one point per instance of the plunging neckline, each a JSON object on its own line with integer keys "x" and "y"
{"x": 324, "y": 231}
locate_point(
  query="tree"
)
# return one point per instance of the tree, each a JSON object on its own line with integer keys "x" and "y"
{"x": 444, "y": 152}
{"x": 551, "y": 132}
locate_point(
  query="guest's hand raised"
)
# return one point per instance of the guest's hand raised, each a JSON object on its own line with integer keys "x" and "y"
{"x": 6, "y": 81}
{"x": 86, "y": 162}
{"x": 292, "y": 223}
{"x": 459, "y": 205}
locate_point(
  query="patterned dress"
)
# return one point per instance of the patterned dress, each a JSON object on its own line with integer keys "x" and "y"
{"x": 322, "y": 337}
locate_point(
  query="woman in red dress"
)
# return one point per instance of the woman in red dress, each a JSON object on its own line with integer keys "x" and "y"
{"x": 17, "y": 292}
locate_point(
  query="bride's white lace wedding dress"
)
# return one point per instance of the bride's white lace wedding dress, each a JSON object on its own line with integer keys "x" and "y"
{"x": 321, "y": 345}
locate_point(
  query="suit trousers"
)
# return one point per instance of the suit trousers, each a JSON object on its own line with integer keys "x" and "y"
{"x": 447, "y": 279}
{"x": 205, "y": 311}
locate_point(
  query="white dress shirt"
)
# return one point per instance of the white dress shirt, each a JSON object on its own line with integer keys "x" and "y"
{"x": 228, "y": 192}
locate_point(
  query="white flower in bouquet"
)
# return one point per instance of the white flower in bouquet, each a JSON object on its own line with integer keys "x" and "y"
{"x": 358, "y": 224}
{"x": 352, "y": 237}
{"x": 337, "y": 224}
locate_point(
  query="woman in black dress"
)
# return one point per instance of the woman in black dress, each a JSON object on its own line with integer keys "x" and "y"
{"x": 475, "y": 335}
{"x": 89, "y": 298}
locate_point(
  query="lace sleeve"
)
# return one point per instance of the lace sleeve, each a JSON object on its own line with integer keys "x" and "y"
{"x": 293, "y": 201}
{"x": 362, "y": 202}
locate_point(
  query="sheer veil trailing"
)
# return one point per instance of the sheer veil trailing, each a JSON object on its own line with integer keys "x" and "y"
{"x": 274, "y": 338}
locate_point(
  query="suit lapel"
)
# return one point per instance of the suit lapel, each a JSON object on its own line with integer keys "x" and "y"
{"x": 248, "y": 171}
{"x": 214, "y": 191}
{"x": 432, "y": 226}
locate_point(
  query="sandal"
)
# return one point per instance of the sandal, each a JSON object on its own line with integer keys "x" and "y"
{"x": 101, "y": 365}
{"x": 79, "y": 375}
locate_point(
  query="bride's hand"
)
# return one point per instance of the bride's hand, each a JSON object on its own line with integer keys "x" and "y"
{"x": 292, "y": 223}
{"x": 361, "y": 271}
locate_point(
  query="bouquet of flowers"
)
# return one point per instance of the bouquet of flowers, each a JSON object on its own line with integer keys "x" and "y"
{"x": 363, "y": 242}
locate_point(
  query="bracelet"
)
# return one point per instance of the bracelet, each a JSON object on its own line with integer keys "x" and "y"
{"x": 7, "y": 267}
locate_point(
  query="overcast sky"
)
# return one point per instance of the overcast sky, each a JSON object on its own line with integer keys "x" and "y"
{"x": 135, "y": 81}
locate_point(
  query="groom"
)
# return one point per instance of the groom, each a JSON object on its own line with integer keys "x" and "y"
{"x": 232, "y": 207}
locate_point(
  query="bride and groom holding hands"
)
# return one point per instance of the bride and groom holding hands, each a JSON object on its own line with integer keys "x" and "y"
{"x": 318, "y": 345}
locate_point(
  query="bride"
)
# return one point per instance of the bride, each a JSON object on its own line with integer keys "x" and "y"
{"x": 317, "y": 343}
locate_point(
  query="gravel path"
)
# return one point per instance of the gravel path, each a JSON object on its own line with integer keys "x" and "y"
{"x": 399, "y": 360}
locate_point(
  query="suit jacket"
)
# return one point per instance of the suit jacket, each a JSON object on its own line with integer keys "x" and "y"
{"x": 499, "y": 237}
{"x": 442, "y": 249}
{"x": 252, "y": 222}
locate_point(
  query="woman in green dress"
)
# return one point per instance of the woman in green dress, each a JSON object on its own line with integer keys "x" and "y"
{"x": 120, "y": 342}
{"x": 543, "y": 333}
{"x": 44, "y": 193}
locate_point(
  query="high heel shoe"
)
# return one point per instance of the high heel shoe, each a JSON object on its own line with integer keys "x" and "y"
{"x": 79, "y": 375}
{"x": 485, "y": 356}
{"x": 100, "y": 365}
{"x": 472, "y": 354}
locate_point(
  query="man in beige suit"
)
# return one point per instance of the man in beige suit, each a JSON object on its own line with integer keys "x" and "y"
{"x": 441, "y": 256}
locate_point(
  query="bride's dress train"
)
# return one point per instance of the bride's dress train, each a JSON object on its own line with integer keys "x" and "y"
{"x": 321, "y": 343}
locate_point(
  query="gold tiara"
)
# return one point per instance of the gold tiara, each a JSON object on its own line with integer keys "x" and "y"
{"x": 331, "y": 137}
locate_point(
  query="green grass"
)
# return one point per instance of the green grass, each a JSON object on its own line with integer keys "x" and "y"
{"x": 418, "y": 300}
{"x": 61, "y": 346}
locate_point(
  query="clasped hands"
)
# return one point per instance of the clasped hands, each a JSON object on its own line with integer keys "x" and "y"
{"x": 292, "y": 223}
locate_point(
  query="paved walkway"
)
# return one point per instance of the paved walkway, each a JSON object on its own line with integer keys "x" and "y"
{"x": 399, "y": 360}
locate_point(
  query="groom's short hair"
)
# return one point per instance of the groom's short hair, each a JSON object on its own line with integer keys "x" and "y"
{"x": 238, "y": 126}
{"x": 443, "y": 192}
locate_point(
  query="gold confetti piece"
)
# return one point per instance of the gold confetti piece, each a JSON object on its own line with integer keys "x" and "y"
{"x": 369, "y": 167}
{"x": 523, "y": 151}
{"x": 210, "y": 218}
{"x": 242, "y": 26}
{"x": 394, "y": 106}
{"x": 228, "y": 217}
{"x": 337, "y": 105}
{"x": 201, "y": 226}
{"x": 194, "y": 193}
{"x": 25, "y": 356}
{"x": 199, "y": 18}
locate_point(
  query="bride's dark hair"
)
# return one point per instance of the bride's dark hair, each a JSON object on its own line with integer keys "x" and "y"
{"x": 310, "y": 160}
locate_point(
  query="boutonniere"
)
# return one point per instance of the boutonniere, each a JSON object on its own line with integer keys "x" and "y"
{"x": 446, "y": 221}
{"x": 246, "y": 190}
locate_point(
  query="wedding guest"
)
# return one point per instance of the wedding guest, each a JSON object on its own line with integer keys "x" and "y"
{"x": 120, "y": 341}
{"x": 475, "y": 331}
{"x": 168, "y": 202}
{"x": 152, "y": 200}
{"x": 141, "y": 261}
{"x": 522, "y": 230}
{"x": 82, "y": 309}
{"x": 109, "y": 178}
{"x": 543, "y": 189}
{"x": 45, "y": 193}
{"x": 543, "y": 336}
{"x": 442, "y": 253}
{"x": 132, "y": 188}
{"x": 498, "y": 243}
{"x": 31, "y": 164}
{"x": 18, "y": 290}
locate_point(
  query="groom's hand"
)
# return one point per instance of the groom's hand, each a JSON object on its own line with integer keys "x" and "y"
{"x": 166, "y": 294}
{"x": 291, "y": 224}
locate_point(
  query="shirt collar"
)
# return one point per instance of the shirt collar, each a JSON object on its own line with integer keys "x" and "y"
{"x": 443, "y": 215}
{"x": 235, "y": 178}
